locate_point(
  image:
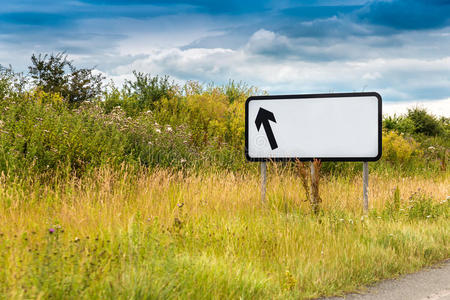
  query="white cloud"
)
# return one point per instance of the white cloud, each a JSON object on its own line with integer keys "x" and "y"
{"x": 437, "y": 107}
{"x": 396, "y": 78}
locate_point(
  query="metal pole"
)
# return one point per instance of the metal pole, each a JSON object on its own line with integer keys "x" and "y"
{"x": 263, "y": 182}
{"x": 365, "y": 187}
{"x": 311, "y": 192}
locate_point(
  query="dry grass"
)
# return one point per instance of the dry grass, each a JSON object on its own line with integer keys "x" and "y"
{"x": 166, "y": 235}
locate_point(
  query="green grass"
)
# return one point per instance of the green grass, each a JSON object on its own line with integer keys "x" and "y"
{"x": 162, "y": 235}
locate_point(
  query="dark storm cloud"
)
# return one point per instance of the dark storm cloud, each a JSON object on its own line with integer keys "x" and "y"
{"x": 34, "y": 19}
{"x": 407, "y": 14}
{"x": 219, "y": 7}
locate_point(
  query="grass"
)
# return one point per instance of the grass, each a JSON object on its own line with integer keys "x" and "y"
{"x": 166, "y": 235}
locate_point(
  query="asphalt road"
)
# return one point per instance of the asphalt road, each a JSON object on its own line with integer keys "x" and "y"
{"x": 429, "y": 284}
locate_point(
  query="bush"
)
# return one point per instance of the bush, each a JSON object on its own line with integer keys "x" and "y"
{"x": 424, "y": 123}
{"x": 39, "y": 134}
{"x": 147, "y": 89}
{"x": 417, "y": 122}
{"x": 398, "y": 149}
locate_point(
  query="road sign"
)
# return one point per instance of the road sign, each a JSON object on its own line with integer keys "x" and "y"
{"x": 329, "y": 127}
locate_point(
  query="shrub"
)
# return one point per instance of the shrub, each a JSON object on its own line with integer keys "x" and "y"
{"x": 424, "y": 123}
{"x": 39, "y": 134}
{"x": 147, "y": 89}
{"x": 397, "y": 148}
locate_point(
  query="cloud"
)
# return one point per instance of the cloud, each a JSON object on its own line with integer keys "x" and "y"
{"x": 267, "y": 43}
{"x": 397, "y": 79}
{"x": 437, "y": 107}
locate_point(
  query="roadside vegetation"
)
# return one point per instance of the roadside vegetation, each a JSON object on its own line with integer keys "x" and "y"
{"x": 143, "y": 191}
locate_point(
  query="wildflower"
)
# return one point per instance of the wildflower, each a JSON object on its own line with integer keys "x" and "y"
{"x": 429, "y": 216}
{"x": 182, "y": 160}
{"x": 51, "y": 230}
{"x": 158, "y": 130}
{"x": 150, "y": 143}
{"x": 180, "y": 205}
{"x": 342, "y": 220}
{"x": 169, "y": 129}
{"x": 76, "y": 240}
{"x": 148, "y": 112}
{"x": 431, "y": 148}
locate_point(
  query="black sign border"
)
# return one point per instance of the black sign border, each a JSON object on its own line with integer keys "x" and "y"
{"x": 309, "y": 96}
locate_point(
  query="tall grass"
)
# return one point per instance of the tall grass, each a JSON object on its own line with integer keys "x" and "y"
{"x": 160, "y": 234}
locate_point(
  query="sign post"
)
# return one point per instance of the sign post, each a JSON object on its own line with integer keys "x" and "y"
{"x": 327, "y": 127}
{"x": 365, "y": 187}
{"x": 263, "y": 181}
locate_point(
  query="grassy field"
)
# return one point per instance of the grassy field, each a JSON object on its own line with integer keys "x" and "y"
{"x": 168, "y": 235}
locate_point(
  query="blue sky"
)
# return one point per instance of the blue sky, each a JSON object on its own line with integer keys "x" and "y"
{"x": 398, "y": 48}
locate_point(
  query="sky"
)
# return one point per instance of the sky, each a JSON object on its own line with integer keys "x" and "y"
{"x": 399, "y": 48}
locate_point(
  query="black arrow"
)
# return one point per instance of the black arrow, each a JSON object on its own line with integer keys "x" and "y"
{"x": 263, "y": 117}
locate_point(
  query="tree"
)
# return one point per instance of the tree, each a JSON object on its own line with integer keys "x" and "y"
{"x": 147, "y": 89}
{"x": 424, "y": 123}
{"x": 11, "y": 83}
{"x": 55, "y": 73}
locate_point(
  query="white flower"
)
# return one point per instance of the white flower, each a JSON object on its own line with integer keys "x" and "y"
{"x": 182, "y": 160}
{"x": 169, "y": 129}
{"x": 431, "y": 148}
{"x": 158, "y": 130}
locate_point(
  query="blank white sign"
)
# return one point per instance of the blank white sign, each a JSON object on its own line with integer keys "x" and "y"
{"x": 339, "y": 127}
